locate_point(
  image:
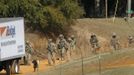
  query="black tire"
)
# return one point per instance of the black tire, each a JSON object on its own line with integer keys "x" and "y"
{"x": 1, "y": 68}
{"x": 8, "y": 69}
{"x": 15, "y": 67}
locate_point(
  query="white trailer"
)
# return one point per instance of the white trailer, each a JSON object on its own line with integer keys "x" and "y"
{"x": 12, "y": 44}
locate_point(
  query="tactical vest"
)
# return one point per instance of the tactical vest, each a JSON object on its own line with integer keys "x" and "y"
{"x": 50, "y": 48}
{"x": 114, "y": 41}
{"x": 93, "y": 40}
{"x": 28, "y": 48}
{"x": 61, "y": 44}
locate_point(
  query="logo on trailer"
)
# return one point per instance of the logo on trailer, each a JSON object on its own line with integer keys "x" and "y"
{"x": 7, "y": 31}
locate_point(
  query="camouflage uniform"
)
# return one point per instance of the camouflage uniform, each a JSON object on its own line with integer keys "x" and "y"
{"x": 73, "y": 43}
{"x": 69, "y": 51}
{"x": 57, "y": 45}
{"x": 62, "y": 47}
{"x": 94, "y": 43}
{"x": 29, "y": 49}
{"x": 114, "y": 42}
{"x": 51, "y": 52}
{"x": 130, "y": 41}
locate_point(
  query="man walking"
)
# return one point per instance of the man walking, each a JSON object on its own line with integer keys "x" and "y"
{"x": 130, "y": 41}
{"x": 51, "y": 52}
{"x": 94, "y": 43}
{"x": 73, "y": 42}
{"x": 62, "y": 47}
{"x": 114, "y": 42}
{"x": 29, "y": 50}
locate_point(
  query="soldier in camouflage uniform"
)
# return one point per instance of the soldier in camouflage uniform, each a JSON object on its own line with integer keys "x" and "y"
{"x": 69, "y": 51}
{"x": 73, "y": 43}
{"x": 29, "y": 49}
{"x": 62, "y": 47}
{"x": 57, "y": 44}
{"x": 114, "y": 42}
{"x": 130, "y": 41}
{"x": 94, "y": 43}
{"x": 51, "y": 52}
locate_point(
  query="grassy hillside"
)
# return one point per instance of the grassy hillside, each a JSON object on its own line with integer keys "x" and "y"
{"x": 83, "y": 28}
{"x": 120, "y": 62}
{"x": 103, "y": 29}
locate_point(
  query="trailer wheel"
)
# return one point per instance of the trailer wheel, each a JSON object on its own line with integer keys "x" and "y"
{"x": 15, "y": 67}
{"x": 8, "y": 69}
{"x": 1, "y": 68}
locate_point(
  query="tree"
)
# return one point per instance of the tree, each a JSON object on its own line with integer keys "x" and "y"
{"x": 70, "y": 9}
{"x": 55, "y": 19}
{"x": 3, "y": 8}
{"x": 93, "y": 8}
{"x": 44, "y": 15}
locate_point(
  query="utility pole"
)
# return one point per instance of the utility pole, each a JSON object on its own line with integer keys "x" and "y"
{"x": 116, "y": 7}
{"x": 97, "y": 8}
{"x": 129, "y": 8}
{"x": 106, "y": 6}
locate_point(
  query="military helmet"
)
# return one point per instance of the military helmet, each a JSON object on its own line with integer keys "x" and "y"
{"x": 92, "y": 34}
{"x": 69, "y": 39}
{"x": 61, "y": 35}
{"x": 49, "y": 40}
{"x": 72, "y": 36}
{"x": 114, "y": 34}
{"x": 27, "y": 41}
{"x": 130, "y": 37}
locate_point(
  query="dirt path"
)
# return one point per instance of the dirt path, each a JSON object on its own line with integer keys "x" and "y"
{"x": 123, "y": 62}
{"x": 27, "y": 69}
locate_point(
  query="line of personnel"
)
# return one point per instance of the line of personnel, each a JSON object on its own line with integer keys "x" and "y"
{"x": 64, "y": 48}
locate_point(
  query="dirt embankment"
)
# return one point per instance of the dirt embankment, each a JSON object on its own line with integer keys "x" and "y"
{"x": 82, "y": 30}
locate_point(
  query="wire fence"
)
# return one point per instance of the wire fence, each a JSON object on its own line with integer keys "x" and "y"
{"x": 93, "y": 65}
